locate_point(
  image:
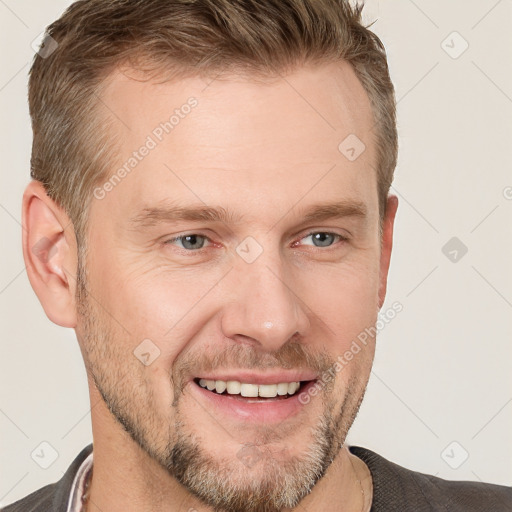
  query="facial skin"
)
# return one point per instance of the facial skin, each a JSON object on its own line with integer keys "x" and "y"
{"x": 267, "y": 153}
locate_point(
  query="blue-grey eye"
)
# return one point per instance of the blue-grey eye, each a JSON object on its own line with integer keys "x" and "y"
{"x": 322, "y": 239}
{"x": 191, "y": 242}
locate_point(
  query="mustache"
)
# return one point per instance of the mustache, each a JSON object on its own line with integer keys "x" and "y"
{"x": 292, "y": 355}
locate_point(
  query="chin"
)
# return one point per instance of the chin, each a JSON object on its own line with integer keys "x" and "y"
{"x": 232, "y": 476}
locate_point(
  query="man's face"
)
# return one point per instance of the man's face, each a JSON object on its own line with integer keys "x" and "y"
{"x": 264, "y": 294}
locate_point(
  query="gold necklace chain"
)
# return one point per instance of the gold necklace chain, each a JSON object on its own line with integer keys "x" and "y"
{"x": 364, "y": 507}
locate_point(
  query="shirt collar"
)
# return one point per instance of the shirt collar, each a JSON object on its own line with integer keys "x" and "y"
{"x": 78, "y": 486}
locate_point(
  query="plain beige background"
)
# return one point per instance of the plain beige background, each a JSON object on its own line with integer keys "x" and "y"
{"x": 440, "y": 397}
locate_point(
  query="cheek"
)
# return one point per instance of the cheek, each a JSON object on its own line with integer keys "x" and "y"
{"x": 344, "y": 298}
{"x": 154, "y": 301}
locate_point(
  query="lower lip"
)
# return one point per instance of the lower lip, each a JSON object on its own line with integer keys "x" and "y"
{"x": 268, "y": 411}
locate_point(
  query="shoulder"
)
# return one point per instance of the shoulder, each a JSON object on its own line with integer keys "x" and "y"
{"x": 398, "y": 488}
{"x": 53, "y": 497}
{"x": 40, "y": 500}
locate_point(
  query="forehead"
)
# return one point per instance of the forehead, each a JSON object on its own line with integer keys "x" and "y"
{"x": 257, "y": 145}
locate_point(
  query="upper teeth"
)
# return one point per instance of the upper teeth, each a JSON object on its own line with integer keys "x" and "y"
{"x": 234, "y": 387}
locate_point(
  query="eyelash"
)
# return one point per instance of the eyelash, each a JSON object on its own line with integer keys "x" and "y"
{"x": 339, "y": 237}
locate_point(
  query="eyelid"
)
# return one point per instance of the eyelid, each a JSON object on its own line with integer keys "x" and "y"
{"x": 314, "y": 231}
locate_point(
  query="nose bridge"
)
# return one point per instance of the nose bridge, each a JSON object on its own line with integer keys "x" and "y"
{"x": 265, "y": 308}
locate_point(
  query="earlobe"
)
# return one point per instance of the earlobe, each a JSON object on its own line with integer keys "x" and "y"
{"x": 49, "y": 251}
{"x": 386, "y": 245}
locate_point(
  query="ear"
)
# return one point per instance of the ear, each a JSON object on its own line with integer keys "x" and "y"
{"x": 49, "y": 251}
{"x": 386, "y": 245}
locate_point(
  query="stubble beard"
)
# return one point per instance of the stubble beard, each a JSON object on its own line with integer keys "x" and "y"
{"x": 264, "y": 484}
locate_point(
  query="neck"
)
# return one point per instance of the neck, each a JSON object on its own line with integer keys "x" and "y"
{"x": 347, "y": 482}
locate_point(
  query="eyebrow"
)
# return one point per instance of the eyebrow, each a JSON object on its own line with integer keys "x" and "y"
{"x": 152, "y": 216}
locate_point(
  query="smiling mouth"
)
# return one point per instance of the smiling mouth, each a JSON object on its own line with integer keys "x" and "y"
{"x": 247, "y": 391}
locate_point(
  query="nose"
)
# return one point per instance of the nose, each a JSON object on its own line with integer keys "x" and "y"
{"x": 264, "y": 310}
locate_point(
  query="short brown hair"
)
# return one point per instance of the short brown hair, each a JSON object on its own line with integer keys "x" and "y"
{"x": 72, "y": 147}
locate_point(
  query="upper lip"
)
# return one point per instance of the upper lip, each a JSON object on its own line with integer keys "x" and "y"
{"x": 251, "y": 377}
